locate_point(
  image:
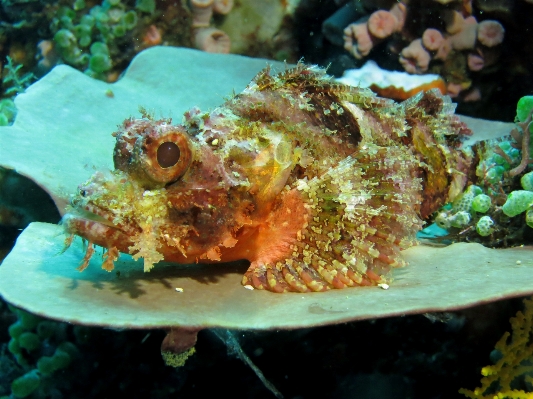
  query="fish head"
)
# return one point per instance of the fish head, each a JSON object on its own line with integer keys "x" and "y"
{"x": 172, "y": 196}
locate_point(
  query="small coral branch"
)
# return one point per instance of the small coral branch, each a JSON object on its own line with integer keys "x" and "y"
{"x": 14, "y": 82}
{"x": 523, "y": 139}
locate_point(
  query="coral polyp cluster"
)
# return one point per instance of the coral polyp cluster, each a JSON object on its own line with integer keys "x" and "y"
{"x": 89, "y": 39}
{"x": 446, "y": 37}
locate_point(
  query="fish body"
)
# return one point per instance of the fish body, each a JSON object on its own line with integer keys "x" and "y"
{"x": 319, "y": 185}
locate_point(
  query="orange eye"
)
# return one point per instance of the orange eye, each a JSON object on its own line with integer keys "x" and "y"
{"x": 168, "y": 154}
{"x": 153, "y": 152}
{"x": 161, "y": 158}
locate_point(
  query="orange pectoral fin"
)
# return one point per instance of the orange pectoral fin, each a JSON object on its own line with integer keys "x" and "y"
{"x": 337, "y": 230}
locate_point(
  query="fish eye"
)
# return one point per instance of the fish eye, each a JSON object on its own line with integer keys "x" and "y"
{"x": 168, "y": 154}
{"x": 161, "y": 156}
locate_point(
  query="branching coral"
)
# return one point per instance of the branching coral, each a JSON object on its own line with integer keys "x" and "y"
{"x": 501, "y": 379}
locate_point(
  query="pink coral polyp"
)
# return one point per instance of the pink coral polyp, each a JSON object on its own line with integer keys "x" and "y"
{"x": 432, "y": 39}
{"x": 490, "y": 33}
{"x": 382, "y": 24}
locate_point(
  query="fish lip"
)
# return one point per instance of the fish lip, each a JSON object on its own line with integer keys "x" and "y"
{"x": 93, "y": 213}
{"x": 105, "y": 235}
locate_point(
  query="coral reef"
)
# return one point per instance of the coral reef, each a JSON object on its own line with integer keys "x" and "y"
{"x": 504, "y": 190}
{"x": 379, "y": 354}
{"x": 65, "y": 135}
{"x": 40, "y": 35}
{"x": 100, "y": 38}
{"x": 490, "y": 92}
{"x": 93, "y": 39}
{"x": 437, "y": 352}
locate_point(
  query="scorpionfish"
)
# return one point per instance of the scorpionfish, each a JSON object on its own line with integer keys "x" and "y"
{"x": 318, "y": 184}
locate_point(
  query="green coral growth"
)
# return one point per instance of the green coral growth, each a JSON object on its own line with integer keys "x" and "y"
{"x": 523, "y": 109}
{"x": 147, "y": 6}
{"x": 460, "y": 219}
{"x": 50, "y": 364}
{"x": 527, "y": 181}
{"x": 498, "y": 160}
{"x": 463, "y": 212}
{"x": 529, "y": 217}
{"x": 78, "y": 29}
{"x": 481, "y": 203}
{"x": 40, "y": 349}
{"x": 8, "y": 111}
{"x": 484, "y": 226}
{"x": 520, "y": 201}
{"x": 99, "y": 61}
{"x": 517, "y": 202}
{"x": 29, "y": 341}
{"x": 14, "y": 82}
{"x": 26, "y": 384}
{"x": 489, "y": 208}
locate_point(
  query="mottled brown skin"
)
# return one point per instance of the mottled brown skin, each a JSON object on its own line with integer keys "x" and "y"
{"x": 317, "y": 184}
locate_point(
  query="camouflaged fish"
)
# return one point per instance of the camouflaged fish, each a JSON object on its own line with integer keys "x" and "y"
{"x": 319, "y": 185}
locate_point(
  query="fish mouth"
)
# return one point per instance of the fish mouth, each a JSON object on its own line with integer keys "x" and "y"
{"x": 99, "y": 226}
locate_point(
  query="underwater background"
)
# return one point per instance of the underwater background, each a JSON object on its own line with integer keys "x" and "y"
{"x": 479, "y": 52}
